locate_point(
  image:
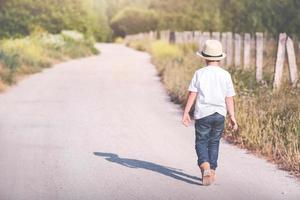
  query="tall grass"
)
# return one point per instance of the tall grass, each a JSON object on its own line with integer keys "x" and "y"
{"x": 269, "y": 122}
{"x": 39, "y": 50}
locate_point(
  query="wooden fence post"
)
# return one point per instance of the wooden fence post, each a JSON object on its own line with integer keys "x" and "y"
{"x": 280, "y": 60}
{"x": 247, "y": 50}
{"x": 253, "y": 50}
{"x": 140, "y": 36}
{"x": 188, "y": 36}
{"x": 205, "y": 36}
{"x": 151, "y": 35}
{"x": 178, "y": 37}
{"x": 216, "y": 36}
{"x": 223, "y": 41}
{"x": 259, "y": 56}
{"x": 197, "y": 35}
{"x": 237, "y": 50}
{"x": 146, "y": 36}
{"x": 292, "y": 61}
{"x": 184, "y": 37}
{"x": 164, "y": 35}
{"x": 167, "y": 35}
{"x": 172, "y": 37}
{"x": 155, "y": 35}
{"x": 229, "y": 48}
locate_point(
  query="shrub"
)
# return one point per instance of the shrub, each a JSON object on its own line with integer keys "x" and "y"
{"x": 53, "y": 41}
{"x": 119, "y": 40}
{"x": 32, "y": 53}
{"x": 140, "y": 45}
{"x": 73, "y": 36}
{"x": 26, "y": 50}
{"x": 164, "y": 50}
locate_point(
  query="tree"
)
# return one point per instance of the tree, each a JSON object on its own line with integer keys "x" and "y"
{"x": 115, "y": 6}
{"x": 133, "y": 20}
{"x": 20, "y": 17}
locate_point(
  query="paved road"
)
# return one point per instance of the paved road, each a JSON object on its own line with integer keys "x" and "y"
{"x": 104, "y": 128}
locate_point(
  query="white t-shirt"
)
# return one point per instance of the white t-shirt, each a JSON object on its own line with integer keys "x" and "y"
{"x": 212, "y": 84}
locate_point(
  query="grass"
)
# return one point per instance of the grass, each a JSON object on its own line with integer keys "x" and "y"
{"x": 269, "y": 121}
{"x": 119, "y": 40}
{"x": 40, "y": 50}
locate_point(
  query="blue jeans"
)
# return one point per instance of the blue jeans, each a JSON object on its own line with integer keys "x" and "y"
{"x": 209, "y": 131}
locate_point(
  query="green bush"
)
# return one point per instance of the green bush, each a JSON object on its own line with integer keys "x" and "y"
{"x": 29, "y": 51}
{"x": 119, "y": 40}
{"x": 164, "y": 50}
{"x": 140, "y": 45}
{"x": 73, "y": 36}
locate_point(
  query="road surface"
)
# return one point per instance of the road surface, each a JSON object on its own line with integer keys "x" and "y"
{"x": 103, "y": 127}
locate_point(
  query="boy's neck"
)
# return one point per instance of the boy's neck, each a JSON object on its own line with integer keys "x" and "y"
{"x": 213, "y": 63}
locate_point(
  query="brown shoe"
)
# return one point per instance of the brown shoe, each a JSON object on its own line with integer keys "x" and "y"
{"x": 213, "y": 175}
{"x": 206, "y": 173}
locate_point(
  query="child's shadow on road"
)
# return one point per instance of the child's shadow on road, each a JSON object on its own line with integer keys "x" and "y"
{"x": 133, "y": 163}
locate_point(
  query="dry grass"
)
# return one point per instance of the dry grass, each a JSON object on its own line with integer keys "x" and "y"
{"x": 119, "y": 40}
{"x": 269, "y": 122}
{"x": 31, "y": 54}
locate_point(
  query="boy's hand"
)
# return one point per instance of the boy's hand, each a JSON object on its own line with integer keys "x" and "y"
{"x": 233, "y": 124}
{"x": 186, "y": 120}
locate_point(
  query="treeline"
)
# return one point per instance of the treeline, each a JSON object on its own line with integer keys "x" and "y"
{"x": 272, "y": 16}
{"x": 103, "y": 19}
{"x": 21, "y": 17}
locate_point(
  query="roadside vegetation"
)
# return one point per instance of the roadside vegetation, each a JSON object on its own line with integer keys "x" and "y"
{"x": 30, "y": 54}
{"x": 269, "y": 122}
{"x": 35, "y": 34}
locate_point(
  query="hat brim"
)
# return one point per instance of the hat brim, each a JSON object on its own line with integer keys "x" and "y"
{"x": 199, "y": 53}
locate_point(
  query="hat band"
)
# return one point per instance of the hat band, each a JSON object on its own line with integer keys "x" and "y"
{"x": 206, "y": 55}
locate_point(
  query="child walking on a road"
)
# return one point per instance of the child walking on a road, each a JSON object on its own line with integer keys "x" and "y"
{"x": 212, "y": 88}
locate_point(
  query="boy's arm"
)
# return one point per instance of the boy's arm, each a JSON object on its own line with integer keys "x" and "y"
{"x": 186, "y": 117}
{"x": 230, "y": 109}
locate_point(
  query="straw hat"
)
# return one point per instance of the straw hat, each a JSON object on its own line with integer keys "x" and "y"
{"x": 212, "y": 50}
